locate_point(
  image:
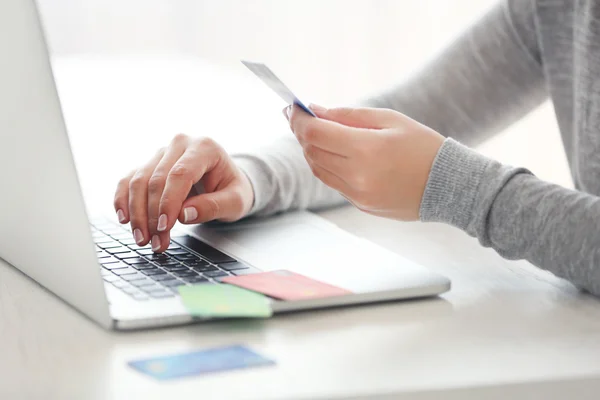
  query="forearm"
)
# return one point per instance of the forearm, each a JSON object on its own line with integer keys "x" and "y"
{"x": 518, "y": 215}
{"x": 282, "y": 180}
{"x": 485, "y": 80}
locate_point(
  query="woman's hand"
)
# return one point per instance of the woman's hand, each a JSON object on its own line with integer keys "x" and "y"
{"x": 378, "y": 159}
{"x": 155, "y": 196}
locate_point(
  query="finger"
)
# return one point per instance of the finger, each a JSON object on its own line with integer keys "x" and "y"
{"x": 157, "y": 223}
{"x": 197, "y": 160}
{"x": 328, "y": 135}
{"x": 331, "y": 180}
{"x": 224, "y": 205}
{"x": 367, "y": 118}
{"x": 339, "y": 165}
{"x": 160, "y": 241}
{"x": 138, "y": 200}
{"x": 121, "y": 200}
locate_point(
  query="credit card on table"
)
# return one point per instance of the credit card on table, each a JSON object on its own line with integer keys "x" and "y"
{"x": 200, "y": 362}
{"x": 271, "y": 80}
{"x": 286, "y": 285}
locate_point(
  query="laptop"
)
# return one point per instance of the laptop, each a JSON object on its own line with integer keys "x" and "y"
{"x": 94, "y": 264}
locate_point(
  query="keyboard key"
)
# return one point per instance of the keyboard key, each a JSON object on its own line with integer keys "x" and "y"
{"x": 199, "y": 262}
{"x": 166, "y": 263}
{"x": 173, "y": 283}
{"x": 108, "y": 244}
{"x": 143, "y": 282}
{"x": 173, "y": 268}
{"x": 133, "y": 277}
{"x": 136, "y": 260}
{"x": 144, "y": 266}
{"x": 233, "y": 266}
{"x": 174, "y": 246}
{"x": 154, "y": 288}
{"x": 184, "y": 274}
{"x": 160, "y": 278}
{"x": 115, "y": 266}
{"x": 187, "y": 257}
{"x": 195, "y": 279}
{"x": 177, "y": 252}
{"x": 110, "y": 278}
{"x": 161, "y": 295}
{"x": 102, "y": 254}
{"x": 204, "y": 268}
{"x": 120, "y": 284}
{"x": 123, "y": 235}
{"x": 125, "y": 271}
{"x": 136, "y": 247}
{"x": 108, "y": 260}
{"x": 215, "y": 274}
{"x": 131, "y": 254}
{"x": 110, "y": 229}
{"x": 117, "y": 250}
{"x": 127, "y": 242}
{"x": 130, "y": 290}
{"x": 204, "y": 249}
{"x": 158, "y": 256}
{"x": 140, "y": 297}
{"x": 153, "y": 272}
{"x": 145, "y": 252}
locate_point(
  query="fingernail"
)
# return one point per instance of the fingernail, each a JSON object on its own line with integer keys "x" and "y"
{"x": 288, "y": 112}
{"x": 316, "y": 107}
{"x": 155, "y": 243}
{"x": 189, "y": 214}
{"x": 285, "y": 113}
{"x": 137, "y": 235}
{"x": 121, "y": 216}
{"x": 162, "y": 223}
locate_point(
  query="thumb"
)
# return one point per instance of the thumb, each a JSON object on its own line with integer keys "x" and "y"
{"x": 363, "y": 117}
{"x": 225, "y": 205}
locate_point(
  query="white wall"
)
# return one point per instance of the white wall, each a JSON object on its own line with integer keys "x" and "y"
{"x": 333, "y": 50}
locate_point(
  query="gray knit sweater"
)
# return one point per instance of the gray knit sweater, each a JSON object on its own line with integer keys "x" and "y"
{"x": 520, "y": 53}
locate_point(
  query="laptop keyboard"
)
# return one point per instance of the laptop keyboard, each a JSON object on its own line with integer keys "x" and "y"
{"x": 143, "y": 274}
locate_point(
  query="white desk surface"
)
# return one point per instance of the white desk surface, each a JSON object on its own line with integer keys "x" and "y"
{"x": 506, "y": 330}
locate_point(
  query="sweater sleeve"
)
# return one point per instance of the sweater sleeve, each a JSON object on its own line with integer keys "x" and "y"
{"x": 515, "y": 213}
{"x": 488, "y": 78}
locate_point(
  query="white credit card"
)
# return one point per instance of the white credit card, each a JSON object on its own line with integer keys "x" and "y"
{"x": 271, "y": 80}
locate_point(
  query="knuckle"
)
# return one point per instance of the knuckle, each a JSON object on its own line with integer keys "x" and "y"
{"x": 156, "y": 183}
{"x": 180, "y": 171}
{"x": 207, "y": 142}
{"x": 137, "y": 182}
{"x": 180, "y": 138}
{"x": 124, "y": 182}
{"x": 212, "y": 209}
{"x": 309, "y": 133}
{"x": 161, "y": 152}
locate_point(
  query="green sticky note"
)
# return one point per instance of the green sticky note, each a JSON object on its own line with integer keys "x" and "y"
{"x": 222, "y": 300}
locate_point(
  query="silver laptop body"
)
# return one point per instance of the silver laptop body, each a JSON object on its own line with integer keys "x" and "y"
{"x": 45, "y": 231}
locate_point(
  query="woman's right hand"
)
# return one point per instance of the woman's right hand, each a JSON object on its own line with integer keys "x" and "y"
{"x": 153, "y": 197}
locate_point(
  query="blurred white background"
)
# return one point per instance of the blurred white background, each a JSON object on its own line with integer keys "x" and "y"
{"x": 329, "y": 51}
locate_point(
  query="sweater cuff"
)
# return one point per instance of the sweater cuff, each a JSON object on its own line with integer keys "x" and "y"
{"x": 261, "y": 184}
{"x": 453, "y": 185}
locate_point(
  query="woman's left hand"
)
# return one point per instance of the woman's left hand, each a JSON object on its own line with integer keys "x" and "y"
{"x": 378, "y": 159}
